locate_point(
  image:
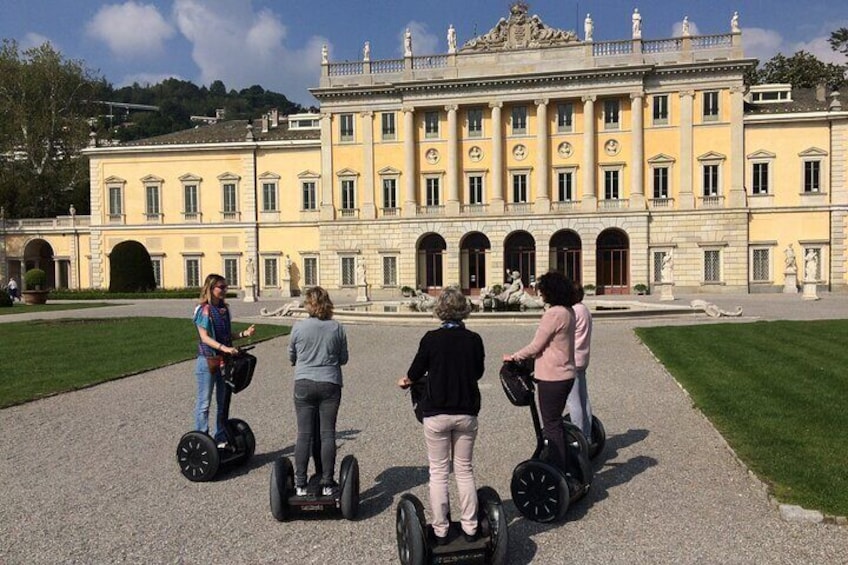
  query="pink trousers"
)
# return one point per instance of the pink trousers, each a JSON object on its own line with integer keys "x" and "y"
{"x": 446, "y": 434}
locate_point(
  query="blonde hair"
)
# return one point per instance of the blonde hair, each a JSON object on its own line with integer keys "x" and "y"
{"x": 318, "y": 304}
{"x": 452, "y": 305}
{"x": 211, "y": 282}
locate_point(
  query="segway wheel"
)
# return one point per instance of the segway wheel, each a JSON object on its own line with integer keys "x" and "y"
{"x": 539, "y": 491}
{"x": 492, "y": 520}
{"x": 412, "y": 545}
{"x": 599, "y": 438}
{"x": 243, "y": 437}
{"x": 282, "y": 484}
{"x": 198, "y": 457}
{"x": 573, "y": 436}
{"x": 349, "y": 479}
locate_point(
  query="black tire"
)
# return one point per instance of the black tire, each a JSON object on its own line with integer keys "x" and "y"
{"x": 410, "y": 525}
{"x": 243, "y": 438}
{"x": 197, "y": 456}
{"x": 573, "y": 435}
{"x": 493, "y": 524}
{"x": 599, "y": 438}
{"x": 578, "y": 468}
{"x": 282, "y": 485}
{"x": 539, "y": 491}
{"x": 349, "y": 483}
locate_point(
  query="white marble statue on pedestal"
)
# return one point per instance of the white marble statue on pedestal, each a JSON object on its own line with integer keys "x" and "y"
{"x": 361, "y": 282}
{"x": 407, "y": 43}
{"x": 734, "y": 23}
{"x": 811, "y": 267}
{"x": 667, "y": 275}
{"x": 249, "y": 280}
{"x": 588, "y": 28}
{"x": 366, "y": 51}
{"x": 637, "y": 24}
{"x": 451, "y": 39}
{"x": 285, "y": 284}
{"x": 686, "y": 32}
{"x": 325, "y": 54}
{"x": 790, "y": 277}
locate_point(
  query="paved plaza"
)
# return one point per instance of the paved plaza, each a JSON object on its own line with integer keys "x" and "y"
{"x": 90, "y": 476}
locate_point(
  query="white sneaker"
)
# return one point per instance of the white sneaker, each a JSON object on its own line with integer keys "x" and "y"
{"x": 300, "y": 491}
{"x": 328, "y": 490}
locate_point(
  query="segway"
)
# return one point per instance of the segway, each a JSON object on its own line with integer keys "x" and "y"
{"x": 284, "y": 501}
{"x": 597, "y": 438}
{"x": 542, "y": 491}
{"x": 416, "y": 541}
{"x": 198, "y": 454}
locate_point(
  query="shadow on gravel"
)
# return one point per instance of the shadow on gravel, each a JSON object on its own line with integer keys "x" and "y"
{"x": 387, "y": 484}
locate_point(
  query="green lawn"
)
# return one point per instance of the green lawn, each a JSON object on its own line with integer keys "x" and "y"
{"x": 50, "y": 356}
{"x": 778, "y": 392}
{"x": 29, "y": 309}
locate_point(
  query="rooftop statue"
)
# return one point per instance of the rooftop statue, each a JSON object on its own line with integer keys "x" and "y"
{"x": 519, "y": 31}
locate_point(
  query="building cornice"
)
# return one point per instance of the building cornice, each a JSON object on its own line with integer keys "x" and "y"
{"x": 816, "y": 116}
{"x": 222, "y": 146}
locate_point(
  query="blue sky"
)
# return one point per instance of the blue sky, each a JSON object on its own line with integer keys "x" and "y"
{"x": 277, "y": 43}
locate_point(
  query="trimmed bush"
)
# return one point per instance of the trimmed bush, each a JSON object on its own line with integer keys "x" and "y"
{"x": 130, "y": 268}
{"x": 35, "y": 279}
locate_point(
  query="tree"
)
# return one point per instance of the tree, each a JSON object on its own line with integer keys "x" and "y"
{"x": 801, "y": 70}
{"x": 44, "y": 111}
{"x": 839, "y": 40}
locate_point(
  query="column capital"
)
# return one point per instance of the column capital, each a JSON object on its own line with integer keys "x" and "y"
{"x": 408, "y": 109}
{"x": 326, "y": 116}
{"x": 689, "y": 93}
{"x": 740, "y": 89}
{"x": 497, "y": 104}
{"x": 588, "y": 98}
{"x": 366, "y": 113}
{"x": 637, "y": 94}
{"x": 451, "y": 108}
{"x": 542, "y": 101}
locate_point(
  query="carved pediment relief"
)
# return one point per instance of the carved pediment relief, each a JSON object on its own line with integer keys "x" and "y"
{"x": 761, "y": 154}
{"x": 712, "y": 156}
{"x": 813, "y": 152}
{"x": 661, "y": 158}
{"x": 190, "y": 177}
{"x": 308, "y": 174}
{"x": 519, "y": 31}
{"x": 152, "y": 179}
{"x": 114, "y": 180}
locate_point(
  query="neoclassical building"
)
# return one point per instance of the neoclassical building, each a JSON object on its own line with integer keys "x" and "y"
{"x": 527, "y": 148}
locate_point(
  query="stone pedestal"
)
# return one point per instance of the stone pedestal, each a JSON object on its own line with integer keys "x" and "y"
{"x": 810, "y": 291}
{"x": 362, "y": 293}
{"x": 250, "y": 293}
{"x": 285, "y": 288}
{"x": 666, "y": 291}
{"x": 790, "y": 282}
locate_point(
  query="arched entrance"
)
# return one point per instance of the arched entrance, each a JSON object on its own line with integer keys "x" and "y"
{"x": 38, "y": 254}
{"x": 431, "y": 251}
{"x": 472, "y": 262}
{"x": 566, "y": 255}
{"x": 520, "y": 255}
{"x": 613, "y": 262}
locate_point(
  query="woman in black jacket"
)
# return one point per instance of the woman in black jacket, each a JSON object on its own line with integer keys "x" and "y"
{"x": 451, "y": 360}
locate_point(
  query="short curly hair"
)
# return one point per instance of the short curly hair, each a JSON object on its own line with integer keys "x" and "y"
{"x": 452, "y": 305}
{"x": 318, "y": 304}
{"x": 557, "y": 289}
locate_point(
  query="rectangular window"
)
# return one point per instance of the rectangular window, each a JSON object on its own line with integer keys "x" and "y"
{"x": 269, "y": 197}
{"x": 565, "y": 186}
{"x": 388, "y": 128}
{"x": 710, "y": 180}
{"x": 310, "y": 271}
{"x": 611, "y": 188}
{"x": 389, "y": 193}
{"x": 348, "y": 271}
{"x": 346, "y": 127}
{"x": 190, "y": 200}
{"x": 711, "y": 106}
{"x": 659, "y": 257}
{"x": 712, "y": 265}
{"x": 660, "y": 112}
{"x": 309, "y": 195}
{"x": 761, "y": 270}
{"x": 270, "y": 272}
{"x": 348, "y": 194}
{"x": 761, "y": 178}
{"x": 519, "y": 188}
{"x": 192, "y": 273}
{"x": 231, "y": 271}
{"x": 433, "y": 196}
{"x": 475, "y": 122}
{"x": 812, "y": 176}
{"x": 519, "y": 120}
{"x": 230, "y": 203}
{"x": 565, "y": 117}
{"x": 116, "y": 204}
{"x": 475, "y": 189}
{"x": 389, "y": 270}
{"x": 157, "y": 271}
{"x": 431, "y": 125}
{"x": 611, "y": 118}
{"x": 660, "y": 182}
{"x": 152, "y": 200}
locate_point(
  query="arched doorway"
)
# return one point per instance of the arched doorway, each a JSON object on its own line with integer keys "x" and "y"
{"x": 613, "y": 262}
{"x": 38, "y": 254}
{"x": 566, "y": 255}
{"x": 520, "y": 255}
{"x": 431, "y": 251}
{"x": 472, "y": 262}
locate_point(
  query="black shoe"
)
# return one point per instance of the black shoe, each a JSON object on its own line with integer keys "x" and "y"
{"x": 441, "y": 540}
{"x": 471, "y": 538}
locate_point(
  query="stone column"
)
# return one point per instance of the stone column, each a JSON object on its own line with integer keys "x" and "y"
{"x": 452, "y": 204}
{"x": 589, "y": 198}
{"x": 685, "y": 196}
{"x": 737, "y": 148}
{"x": 637, "y": 179}
{"x": 369, "y": 211}
{"x": 328, "y": 210}
{"x": 543, "y": 196}
{"x": 496, "y": 200}
{"x": 410, "y": 202}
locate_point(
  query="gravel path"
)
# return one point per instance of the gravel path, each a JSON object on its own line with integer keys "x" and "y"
{"x": 90, "y": 476}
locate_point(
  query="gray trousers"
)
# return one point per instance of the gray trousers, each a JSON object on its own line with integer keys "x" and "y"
{"x": 323, "y": 399}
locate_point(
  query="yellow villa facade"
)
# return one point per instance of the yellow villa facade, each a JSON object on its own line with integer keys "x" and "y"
{"x": 526, "y": 149}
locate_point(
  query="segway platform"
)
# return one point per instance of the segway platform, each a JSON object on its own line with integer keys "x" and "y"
{"x": 458, "y": 550}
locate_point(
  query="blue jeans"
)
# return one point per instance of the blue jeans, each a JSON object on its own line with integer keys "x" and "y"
{"x": 324, "y": 398}
{"x": 206, "y": 381}
{"x": 578, "y": 405}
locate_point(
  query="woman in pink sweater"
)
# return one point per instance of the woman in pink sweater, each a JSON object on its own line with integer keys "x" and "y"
{"x": 553, "y": 349}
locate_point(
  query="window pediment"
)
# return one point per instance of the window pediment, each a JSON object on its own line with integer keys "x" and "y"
{"x": 661, "y": 159}
{"x": 268, "y": 175}
{"x": 761, "y": 154}
{"x": 152, "y": 179}
{"x": 813, "y": 152}
{"x": 229, "y": 177}
{"x": 189, "y": 177}
{"x": 347, "y": 173}
{"x": 114, "y": 180}
{"x": 388, "y": 171}
{"x": 712, "y": 156}
{"x": 307, "y": 174}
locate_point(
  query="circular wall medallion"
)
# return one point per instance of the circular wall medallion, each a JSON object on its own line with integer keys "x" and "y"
{"x": 611, "y": 147}
{"x": 565, "y": 150}
{"x": 475, "y": 153}
{"x": 432, "y": 156}
{"x": 519, "y": 152}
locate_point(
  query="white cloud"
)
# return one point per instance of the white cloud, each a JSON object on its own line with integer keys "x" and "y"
{"x": 766, "y": 43}
{"x": 33, "y": 39}
{"x": 233, "y": 43}
{"x": 677, "y": 29}
{"x": 423, "y": 42}
{"x": 131, "y": 29}
{"x": 762, "y": 44}
{"x": 147, "y": 79}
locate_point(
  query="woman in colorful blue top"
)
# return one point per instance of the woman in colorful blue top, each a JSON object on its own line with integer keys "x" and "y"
{"x": 212, "y": 318}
